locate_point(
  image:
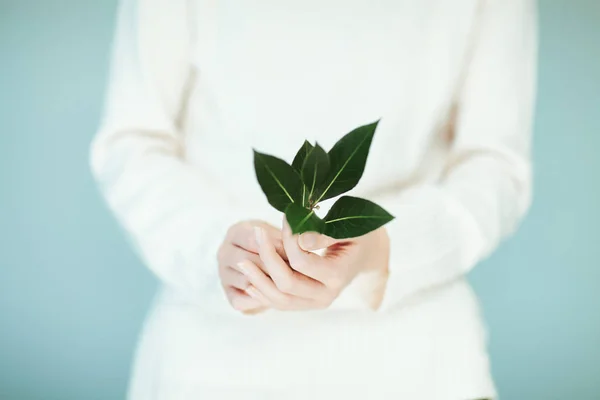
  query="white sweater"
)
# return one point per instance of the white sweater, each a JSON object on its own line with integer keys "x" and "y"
{"x": 196, "y": 84}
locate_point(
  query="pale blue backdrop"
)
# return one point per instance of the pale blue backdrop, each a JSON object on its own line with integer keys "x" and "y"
{"x": 73, "y": 295}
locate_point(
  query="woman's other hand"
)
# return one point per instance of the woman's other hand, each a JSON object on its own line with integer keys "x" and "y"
{"x": 240, "y": 244}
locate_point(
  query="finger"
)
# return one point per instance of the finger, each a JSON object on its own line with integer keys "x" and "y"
{"x": 285, "y": 278}
{"x": 237, "y": 255}
{"x": 275, "y": 236}
{"x": 257, "y": 295}
{"x": 233, "y": 255}
{"x": 240, "y": 301}
{"x": 297, "y": 305}
{"x": 306, "y": 263}
{"x": 310, "y": 241}
{"x": 267, "y": 292}
{"x": 233, "y": 278}
{"x": 243, "y": 236}
{"x": 257, "y": 278}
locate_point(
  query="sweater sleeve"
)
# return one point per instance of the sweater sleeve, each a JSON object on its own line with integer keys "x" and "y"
{"x": 443, "y": 229}
{"x": 175, "y": 215}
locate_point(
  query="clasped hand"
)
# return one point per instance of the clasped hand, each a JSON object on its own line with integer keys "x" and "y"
{"x": 262, "y": 267}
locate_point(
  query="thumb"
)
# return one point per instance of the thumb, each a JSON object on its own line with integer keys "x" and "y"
{"x": 314, "y": 241}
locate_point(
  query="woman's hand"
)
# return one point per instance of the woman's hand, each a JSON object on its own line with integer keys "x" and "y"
{"x": 367, "y": 254}
{"x": 308, "y": 280}
{"x": 240, "y": 244}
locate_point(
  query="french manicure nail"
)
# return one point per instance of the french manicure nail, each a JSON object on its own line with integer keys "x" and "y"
{"x": 307, "y": 241}
{"x": 242, "y": 268}
{"x": 252, "y": 292}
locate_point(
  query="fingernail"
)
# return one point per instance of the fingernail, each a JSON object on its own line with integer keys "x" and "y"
{"x": 242, "y": 268}
{"x": 258, "y": 235}
{"x": 308, "y": 240}
{"x": 252, "y": 292}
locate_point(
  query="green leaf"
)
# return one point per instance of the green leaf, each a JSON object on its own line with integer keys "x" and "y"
{"x": 301, "y": 155}
{"x": 314, "y": 170}
{"x": 278, "y": 180}
{"x": 352, "y": 217}
{"x": 302, "y": 219}
{"x": 348, "y": 158}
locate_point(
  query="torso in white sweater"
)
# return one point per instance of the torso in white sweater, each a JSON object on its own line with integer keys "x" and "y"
{"x": 197, "y": 84}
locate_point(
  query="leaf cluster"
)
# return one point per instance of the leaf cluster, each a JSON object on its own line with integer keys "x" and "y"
{"x": 316, "y": 175}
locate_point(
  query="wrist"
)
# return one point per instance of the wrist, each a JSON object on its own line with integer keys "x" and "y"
{"x": 379, "y": 254}
{"x": 375, "y": 273}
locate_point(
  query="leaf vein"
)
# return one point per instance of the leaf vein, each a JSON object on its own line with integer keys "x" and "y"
{"x": 342, "y": 168}
{"x": 356, "y": 217}
{"x": 278, "y": 182}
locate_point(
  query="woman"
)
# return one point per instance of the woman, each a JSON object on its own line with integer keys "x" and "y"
{"x": 246, "y": 310}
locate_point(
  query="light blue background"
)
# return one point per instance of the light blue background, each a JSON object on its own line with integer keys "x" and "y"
{"x": 73, "y": 295}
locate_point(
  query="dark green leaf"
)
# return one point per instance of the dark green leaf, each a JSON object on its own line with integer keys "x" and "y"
{"x": 352, "y": 217}
{"x": 278, "y": 180}
{"x": 347, "y": 158}
{"x": 301, "y": 155}
{"x": 302, "y": 219}
{"x": 314, "y": 170}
